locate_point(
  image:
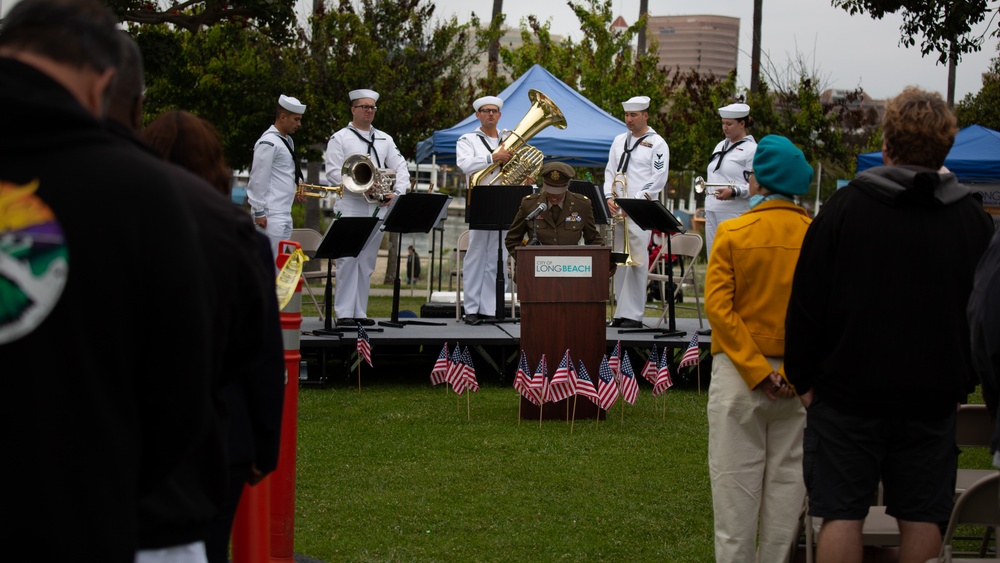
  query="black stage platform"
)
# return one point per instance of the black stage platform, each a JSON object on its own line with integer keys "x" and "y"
{"x": 498, "y": 345}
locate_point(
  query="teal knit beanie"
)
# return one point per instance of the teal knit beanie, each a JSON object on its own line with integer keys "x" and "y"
{"x": 781, "y": 167}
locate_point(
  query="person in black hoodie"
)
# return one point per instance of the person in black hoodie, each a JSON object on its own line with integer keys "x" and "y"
{"x": 190, "y": 514}
{"x": 877, "y": 349}
{"x": 105, "y": 341}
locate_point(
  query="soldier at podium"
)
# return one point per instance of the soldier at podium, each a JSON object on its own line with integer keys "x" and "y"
{"x": 559, "y": 216}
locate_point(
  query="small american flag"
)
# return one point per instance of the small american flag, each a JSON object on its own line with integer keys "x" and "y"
{"x": 607, "y": 390}
{"x": 691, "y": 354}
{"x": 455, "y": 366}
{"x": 560, "y": 386}
{"x": 649, "y": 370}
{"x": 614, "y": 363}
{"x": 522, "y": 381}
{"x": 540, "y": 379}
{"x": 364, "y": 345}
{"x": 630, "y": 388}
{"x": 663, "y": 380}
{"x": 469, "y": 373}
{"x": 584, "y": 385}
{"x": 440, "y": 369}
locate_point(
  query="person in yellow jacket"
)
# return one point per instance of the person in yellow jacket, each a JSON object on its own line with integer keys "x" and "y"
{"x": 755, "y": 421}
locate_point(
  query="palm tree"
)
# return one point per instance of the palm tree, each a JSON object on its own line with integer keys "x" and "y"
{"x": 494, "y": 52}
{"x": 755, "y": 49}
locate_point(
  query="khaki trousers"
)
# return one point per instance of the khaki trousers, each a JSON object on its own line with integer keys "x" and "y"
{"x": 755, "y": 464}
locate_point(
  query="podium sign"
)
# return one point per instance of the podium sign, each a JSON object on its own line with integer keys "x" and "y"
{"x": 563, "y": 292}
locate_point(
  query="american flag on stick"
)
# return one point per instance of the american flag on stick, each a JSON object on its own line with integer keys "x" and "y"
{"x": 614, "y": 362}
{"x": 364, "y": 345}
{"x": 691, "y": 354}
{"x": 649, "y": 370}
{"x": 561, "y": 385}
{"x": 522, "y": 381}
{"x": 584, "y": 385}
{"x": 469, "y": 372}
{"x": 663, "y": 380}
{"x": 630, "y": 388}
{"x": 454, "y": 374}
{"x": 440, "y": 369}
{"x": 607, "y": 389}
{"x": 539, "y": 381}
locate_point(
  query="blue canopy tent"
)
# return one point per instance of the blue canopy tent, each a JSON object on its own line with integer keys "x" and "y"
{"x": 974, "y": 158}
{"x": 586, "y": 140}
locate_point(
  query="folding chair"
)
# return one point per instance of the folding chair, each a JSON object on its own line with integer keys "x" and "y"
{"x": 310, "y": 239}
{"x": 973, "y": 429}
{"x": 978, "y": 505}
{"x": 460, "y": 249}
{"x": 682, "y": 245}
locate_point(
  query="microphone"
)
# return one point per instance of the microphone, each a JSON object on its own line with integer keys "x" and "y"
{"x": 538, "y": 210}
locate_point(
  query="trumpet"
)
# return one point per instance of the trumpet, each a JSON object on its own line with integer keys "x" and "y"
{"x": 621, "y": 179}
{"x": 700, "y": 184}
{"x": 315, "y": 190}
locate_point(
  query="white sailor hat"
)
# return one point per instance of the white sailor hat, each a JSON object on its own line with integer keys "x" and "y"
{"x": 487, "y": 101}
{"x": 637, "y": 103}
{"x": 734, "y": 111}
{"x": 291, "y": 104}
{"x": 363, "y": 93}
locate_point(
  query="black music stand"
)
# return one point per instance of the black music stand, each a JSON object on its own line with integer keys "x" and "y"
{"x": 493, "y": 209}
{"x": 344, "y": 238}
{"x": 410, "y": 213}
{"x": 652, "y": 216}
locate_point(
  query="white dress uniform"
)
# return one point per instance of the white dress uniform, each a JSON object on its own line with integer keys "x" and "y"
{"x": 736, "y": 164}
{"x": 354, "y": 274}
{"x": 479, "y": 270}
{"x": 271, "y": 188}
{"x": 645, "y": 160}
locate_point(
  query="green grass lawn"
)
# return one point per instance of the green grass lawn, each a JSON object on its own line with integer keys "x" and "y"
{"x": 401, "y": 473}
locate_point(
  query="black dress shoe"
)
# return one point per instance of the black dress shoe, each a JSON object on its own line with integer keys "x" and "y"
{"x": 629, "y": 323}
{"x": 365, "y": 322}
{"x": 472, "y": 319}
{"x": 615, "y": 322}
{"x": 346, "y": 321}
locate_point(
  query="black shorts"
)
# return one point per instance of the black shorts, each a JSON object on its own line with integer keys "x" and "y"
{"x": 845, "y": 457}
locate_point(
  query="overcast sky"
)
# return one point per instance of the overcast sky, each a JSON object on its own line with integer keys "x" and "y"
{"x": 846, "y": 51}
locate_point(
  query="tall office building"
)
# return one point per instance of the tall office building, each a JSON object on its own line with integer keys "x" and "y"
{"x": 708, "y": 44}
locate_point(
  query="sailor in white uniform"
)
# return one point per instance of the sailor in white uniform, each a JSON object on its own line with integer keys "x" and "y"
{"x": 643, "y": 158}
{"x": 731, "y": 163}
{"x": 360, "y": 137}
{"x": 275, "y": 173}
{"x": 474, "y": 152}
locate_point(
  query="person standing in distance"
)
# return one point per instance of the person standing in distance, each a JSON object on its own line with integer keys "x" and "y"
{"x": 473, "y": 152}
{"x": 642, "y": 157}
{"x": 275, "y": 173}
{"x": 354, "y": 275}
{"x": 731, "y": 163}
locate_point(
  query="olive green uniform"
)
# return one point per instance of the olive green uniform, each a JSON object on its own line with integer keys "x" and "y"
{"x": 575, "y": 219}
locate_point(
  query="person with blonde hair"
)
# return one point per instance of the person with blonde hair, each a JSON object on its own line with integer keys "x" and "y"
{"x": 881, "y": 406}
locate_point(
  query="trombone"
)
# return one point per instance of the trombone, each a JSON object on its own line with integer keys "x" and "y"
{"x": 700, "y": 184}
{"x": 619, "y": 217}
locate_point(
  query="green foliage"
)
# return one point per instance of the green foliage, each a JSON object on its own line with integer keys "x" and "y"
{"x": 272, "y": 17}
{"x": 943, "y": 25}
{"x": 983, "y": 107}
{"x": 691, "y": 120}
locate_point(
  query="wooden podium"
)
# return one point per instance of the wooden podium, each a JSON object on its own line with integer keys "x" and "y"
{"x": 563, "y": 292}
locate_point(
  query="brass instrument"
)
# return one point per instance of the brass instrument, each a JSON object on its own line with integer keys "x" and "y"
{"x": 619, "y": 217}
{"x": 526, "y": 160}
{"x": 316, "y": 190}
{"x": 700, "y": 185}
{"x": 361, "y": 177}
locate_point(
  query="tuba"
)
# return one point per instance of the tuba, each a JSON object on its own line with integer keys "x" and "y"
{"x": 526, "y": 160}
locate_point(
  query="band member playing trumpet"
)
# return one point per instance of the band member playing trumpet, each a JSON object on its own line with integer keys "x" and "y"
{"x": 474, "y": 152}
{"x": 637, "y": 168}
{"x": 275, "y": 173}
{"x": 731, "y": 163}
{"x": 360, "y": 137}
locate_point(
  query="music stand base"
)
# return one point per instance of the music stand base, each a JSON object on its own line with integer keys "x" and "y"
{"x": 328, "y": 332}
{"x": 401, "y": 324}
{"x": 705, "y": 332}
{"x": 663, "y": 332}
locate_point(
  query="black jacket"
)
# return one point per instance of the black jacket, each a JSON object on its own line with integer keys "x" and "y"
{"x": 876, "y": 323}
